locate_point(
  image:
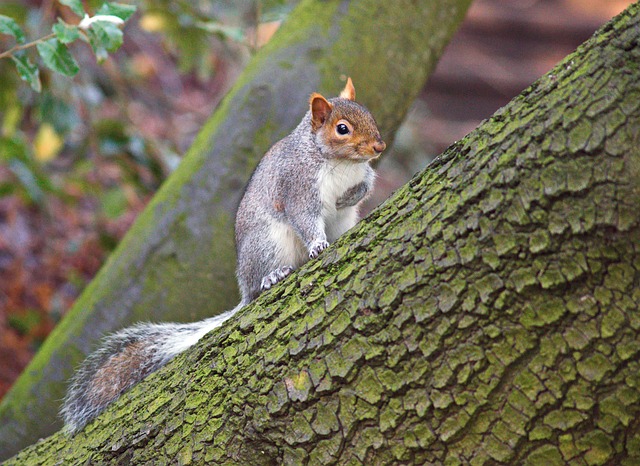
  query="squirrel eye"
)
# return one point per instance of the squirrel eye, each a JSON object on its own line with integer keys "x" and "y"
{"x": 342, "y": 129}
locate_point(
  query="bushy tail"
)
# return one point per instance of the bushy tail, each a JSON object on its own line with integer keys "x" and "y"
{"x": 124, "y": 359}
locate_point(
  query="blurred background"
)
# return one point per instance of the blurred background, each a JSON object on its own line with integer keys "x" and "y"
{"x": 81, "y": 159}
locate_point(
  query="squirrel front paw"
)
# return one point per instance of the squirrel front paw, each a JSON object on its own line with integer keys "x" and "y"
{"x": 353, "y": 195}
{"x": 275, "y": 276}
{"x": 317, "y": 247}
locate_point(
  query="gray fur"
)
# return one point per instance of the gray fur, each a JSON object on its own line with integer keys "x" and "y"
{"x": 159, "y": 343}
{"x": 302, "y": 196}
{"x": 284, "y": 190}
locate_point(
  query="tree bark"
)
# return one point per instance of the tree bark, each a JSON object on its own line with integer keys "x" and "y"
{"x": 177, "y": 262}
{"x": 486, "y": 314}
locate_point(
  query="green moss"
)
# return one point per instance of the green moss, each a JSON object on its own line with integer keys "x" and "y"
{"x": 540, "y": 433}
{"x": 505, "y": 243}
{"x": 547, "y": 454}
{"x": 338, "y": 365}
{"x": 529, "y": 384}
{"x": 564, "y": 419}
{"x": 628, "y": 349}
{"x": 424, "y": 435}
{"x": 596, "y": 446}
{"x": 579, "y": 136}
{"x": 614, "y": 120}
{"x": 619, "y": 277}
{"x": 522, "y": 278}
{"x": 299, "y": 431}
{"x": 391, "y": 381}
{"x": 452, "y": 425}
{"x": 298, "y": 386}
{"x": 468, "y": 250}
{"x": 498, "y": 450}
{"x": 614, "y": 407}
{"x": 612, "y": 321}
{"x": 368, "y": 387}
{"x": 325, "y": 451}
{"x": 388, "y": 296}
{"x": 325, "y": 420}
{"x": 440, "y": 399}
{"x": 539, "y": 241}
{"x": 542, "y": 312}
{"x": 340, "y": 323}
{"x": 488, "y": 286}
{"x": 594, "y": 368}
{"x": 491, "y": 258}
{"x": 391, "y": 414}
{"x": 278, "y": 398}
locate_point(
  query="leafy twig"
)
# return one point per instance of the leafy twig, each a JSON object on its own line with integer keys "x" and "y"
{"x": 17, "y": 48}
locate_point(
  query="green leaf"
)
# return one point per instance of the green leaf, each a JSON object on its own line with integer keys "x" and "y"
{"x": 28, "y": 71}
{"x": 222, "y": 31}
{"x": 14, "y": 152}
{"x": 9, "y": 26}
{"x": 120, "y": 10}
{"x": 25, "y": 322}
{"x": 75, "y": 5}
{"x": 104, "y": 36}
{"x": 12, "y": 147}
{"x": 7, "y": 189}
{"x": 66, "y": 33}
{"x": 57, "y": 57}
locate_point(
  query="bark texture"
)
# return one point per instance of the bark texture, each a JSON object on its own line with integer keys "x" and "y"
{"x": 486, "y": 314}
{"x": 178, "y": 260}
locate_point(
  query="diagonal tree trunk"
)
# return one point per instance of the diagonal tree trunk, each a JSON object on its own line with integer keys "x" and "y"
{"x": 178, "y": 260}
{"x": 486, "y": 314}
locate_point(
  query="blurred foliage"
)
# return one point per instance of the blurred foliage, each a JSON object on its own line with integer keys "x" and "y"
{"x": 82, "y": 152}
{"x": 189, "y": 25}
{"x": 60, "y": 140}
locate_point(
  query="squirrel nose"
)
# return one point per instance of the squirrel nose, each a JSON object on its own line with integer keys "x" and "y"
{"x": 379, "y": 146}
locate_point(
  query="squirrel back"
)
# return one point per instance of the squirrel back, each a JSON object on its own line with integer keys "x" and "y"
{"x": 303, "y": 195}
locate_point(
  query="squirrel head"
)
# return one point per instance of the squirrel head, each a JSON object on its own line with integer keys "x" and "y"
{"x": 344, "y": 128}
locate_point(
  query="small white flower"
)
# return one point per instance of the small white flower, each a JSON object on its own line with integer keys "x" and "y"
{"x": 87, "y": 21}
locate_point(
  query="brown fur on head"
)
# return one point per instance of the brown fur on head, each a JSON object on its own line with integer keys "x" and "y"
{"x": 346, "y": 129}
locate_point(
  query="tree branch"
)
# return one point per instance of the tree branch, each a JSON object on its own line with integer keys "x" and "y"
{"x": 487, "y": 313}
{"x": 17, "y": 48}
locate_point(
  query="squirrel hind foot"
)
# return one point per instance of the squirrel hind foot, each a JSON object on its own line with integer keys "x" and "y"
{"x": 276, "y": 276}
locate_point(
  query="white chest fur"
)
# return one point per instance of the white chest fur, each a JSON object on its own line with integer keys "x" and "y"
{"x": 336, "y": 177}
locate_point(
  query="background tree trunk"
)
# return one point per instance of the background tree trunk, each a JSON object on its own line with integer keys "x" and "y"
{"x": 487, "y": 313}
{"x": 178, "y": 260}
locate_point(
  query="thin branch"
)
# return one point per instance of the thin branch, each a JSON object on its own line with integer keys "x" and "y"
{"x": 17, "y": 48}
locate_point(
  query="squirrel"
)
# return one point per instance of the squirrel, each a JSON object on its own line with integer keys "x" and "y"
{"x": 303, "y": 195}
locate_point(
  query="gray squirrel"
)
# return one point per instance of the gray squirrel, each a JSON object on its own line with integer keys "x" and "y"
{"x": 302, "y": 196}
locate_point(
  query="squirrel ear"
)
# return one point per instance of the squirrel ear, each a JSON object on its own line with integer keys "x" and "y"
{"x": 349, "y": 92}
{"x": 320, "y": 110}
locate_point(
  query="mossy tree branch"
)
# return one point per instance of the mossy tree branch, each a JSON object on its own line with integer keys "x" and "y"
{"x": 177, "y": 262}
{"x": 486, "y": 313}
